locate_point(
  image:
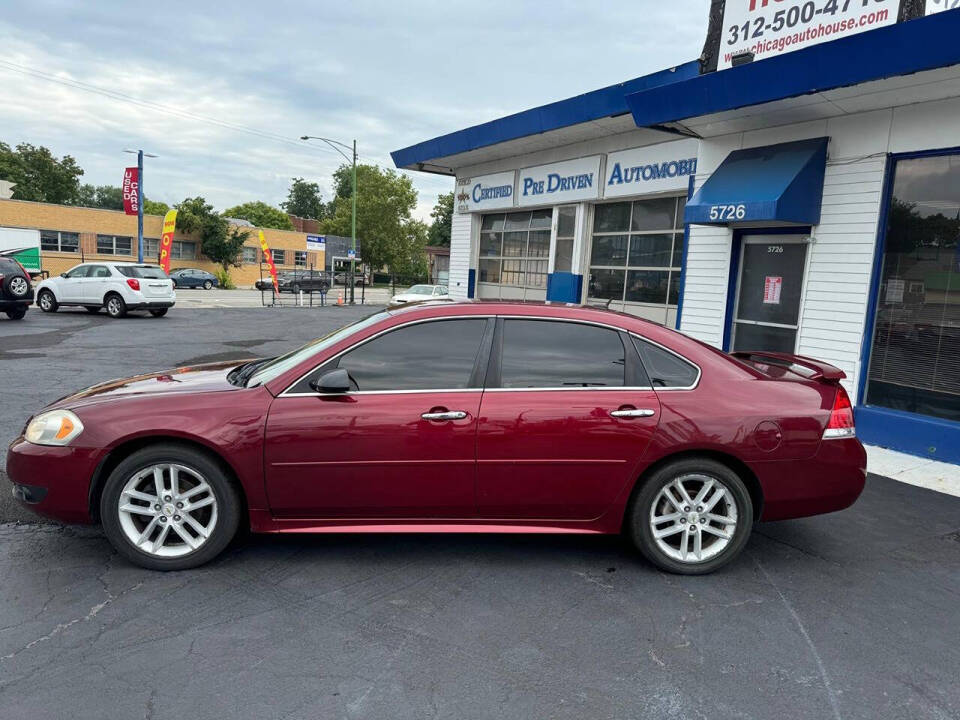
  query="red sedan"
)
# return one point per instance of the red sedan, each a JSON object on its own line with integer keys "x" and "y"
{"x": 454, "y": 417}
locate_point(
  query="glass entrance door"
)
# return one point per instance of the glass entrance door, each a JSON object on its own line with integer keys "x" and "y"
{"x": 767, "y": 312}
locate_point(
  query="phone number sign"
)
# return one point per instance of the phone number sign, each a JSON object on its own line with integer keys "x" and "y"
{"x": 768, "y": 28}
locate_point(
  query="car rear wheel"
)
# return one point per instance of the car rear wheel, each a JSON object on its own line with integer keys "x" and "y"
{"x": 159, "y": 312}
{"x": 169, "y": 507}
{"x": 47, "y": 302}
{"x": 691, "y": 517}
{"x": 116, "y": 307}
{"x": 207, "y": 284}
{"x": 17, "y": 313}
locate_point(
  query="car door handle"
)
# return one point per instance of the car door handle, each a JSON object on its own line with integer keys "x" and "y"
{"x": 633, "y": 413}
{"x": 444, "y": 416}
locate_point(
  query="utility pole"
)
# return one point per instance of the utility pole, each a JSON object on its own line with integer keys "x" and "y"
{"x": 353, "y": 220}
{"x": 140, "y": 156}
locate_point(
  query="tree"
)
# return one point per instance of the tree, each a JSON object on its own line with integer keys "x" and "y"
{"x": 261, "y": 215}
{"x": 385, "y": 201}
{"x": 442, "y": 215}
{"x": 304, "y": 200}
{"x": 219, "y": 241}
{"x": 154, "y": 207}
{"x": 108, "y": 197}
{"x": 37, "y": 175}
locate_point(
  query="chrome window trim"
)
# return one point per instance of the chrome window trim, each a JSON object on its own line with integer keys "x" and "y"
{"x": 286, "y": 392}
{"x": 605, "y": 388}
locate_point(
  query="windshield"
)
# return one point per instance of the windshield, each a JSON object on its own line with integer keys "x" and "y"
{"x": 280, "y": 365}
{"x": 421, "y": 290}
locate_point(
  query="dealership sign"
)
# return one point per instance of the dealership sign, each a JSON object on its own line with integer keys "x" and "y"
{"x": 768, "y": 28}
{"x": 561, "y": 182}
{"x": 131, "y": 191}
{"x": 317, "y": 243}
{"x": 485, "y": 192}
{"x": 657, "y": 168}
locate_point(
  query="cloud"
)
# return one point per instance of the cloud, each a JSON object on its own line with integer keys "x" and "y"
{"x": 389, "y": 74}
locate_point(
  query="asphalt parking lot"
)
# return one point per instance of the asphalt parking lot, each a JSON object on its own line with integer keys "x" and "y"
{"x": 850, "y": 615}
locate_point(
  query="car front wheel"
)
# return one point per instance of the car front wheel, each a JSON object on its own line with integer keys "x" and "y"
{"x": 169, "y": 507}
{"x": 116, "y": 307}
{"x": 47, "y": 302}
{"x": 691, "y": 517}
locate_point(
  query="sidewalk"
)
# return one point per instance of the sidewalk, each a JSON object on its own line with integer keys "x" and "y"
{"x": 922, "y": 472}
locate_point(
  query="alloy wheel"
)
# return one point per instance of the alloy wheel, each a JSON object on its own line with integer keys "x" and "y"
{"x": 115, "y": 306}
{"x": 19, "y": 286}
{"x": 167, "y": 510}
{"x": 693, "y": 518}
{"x": 46, "y": 302}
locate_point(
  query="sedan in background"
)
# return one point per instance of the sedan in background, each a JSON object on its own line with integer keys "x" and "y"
{"x": 117, "y": 286}
{"x": 454, "y": 417}
{"x": 193, "y": 278}
{"x": 420, "y": 293}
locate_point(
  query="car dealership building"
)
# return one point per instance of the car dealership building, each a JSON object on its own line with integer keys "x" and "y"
{"x": 796, "y": 189}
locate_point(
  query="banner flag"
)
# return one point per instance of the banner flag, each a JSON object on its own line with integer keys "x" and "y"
{"x": 166, "y": 241}
{"x": 268, "y": 259}
{"x": 131, "y": 191}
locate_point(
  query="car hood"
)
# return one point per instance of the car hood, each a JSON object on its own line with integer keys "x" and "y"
{"x": 194, "y": 379}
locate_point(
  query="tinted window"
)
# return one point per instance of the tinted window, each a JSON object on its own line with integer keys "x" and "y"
{"x": 145, "y": 272}
{"x": 428, "y": 356}
{"x": 549, "y": 354}
{"x": 664, "y": 368}
{"x": 79, "y": 272}
{"x": 99, "y": 271}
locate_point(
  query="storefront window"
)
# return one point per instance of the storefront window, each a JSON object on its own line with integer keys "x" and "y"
{"x": 636, "y": 252}
{"x": 514, "y": 249}
{"x": 915, "y": 356}
{"x": 566, "y": 230}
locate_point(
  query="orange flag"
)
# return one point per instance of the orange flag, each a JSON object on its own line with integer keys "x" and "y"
{"x": 166, "y": 243}
{"x": 268, "y": 259}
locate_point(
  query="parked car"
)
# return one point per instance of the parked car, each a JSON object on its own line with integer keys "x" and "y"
{"x": 193, "y": 278}
{"x": 343, "y": 278}
{"x": 297, "y": 281}
{"x": 454, "y": 417}
{"x": 420, "y": 293}
{"x": 16, "y": 292}
{"x": 117, "y": 286}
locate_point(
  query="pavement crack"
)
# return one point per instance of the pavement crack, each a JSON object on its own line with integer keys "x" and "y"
{"x": 831, "y": 695}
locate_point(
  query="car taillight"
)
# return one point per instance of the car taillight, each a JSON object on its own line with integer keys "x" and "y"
{"x": 134, "y": 284}
{"x": 841, "y": 424}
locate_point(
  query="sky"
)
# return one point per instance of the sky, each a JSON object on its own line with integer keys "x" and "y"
{"x": 220, "y": 92}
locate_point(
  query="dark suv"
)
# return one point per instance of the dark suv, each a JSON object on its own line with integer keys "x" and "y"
{"x": 16, "y": 292}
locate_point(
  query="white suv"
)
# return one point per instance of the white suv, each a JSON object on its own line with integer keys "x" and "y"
{"x": 117, "y": 286}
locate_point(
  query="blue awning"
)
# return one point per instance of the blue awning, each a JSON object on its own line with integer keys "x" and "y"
{"x": 774, "y": 184}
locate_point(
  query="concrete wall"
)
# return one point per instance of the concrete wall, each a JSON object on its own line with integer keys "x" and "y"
{"x": 89, "y": 222}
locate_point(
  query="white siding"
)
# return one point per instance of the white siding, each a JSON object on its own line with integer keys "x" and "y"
{"x": 461, "y": 233}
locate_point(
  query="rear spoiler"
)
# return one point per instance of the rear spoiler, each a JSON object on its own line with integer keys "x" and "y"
{"x": 817, "y": 370}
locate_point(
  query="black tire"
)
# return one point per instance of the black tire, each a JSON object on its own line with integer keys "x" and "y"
{"x": 92, "y": 309}
{"x": 207, "y": 284}
{"x": 17, "y": 313}
{"x": 159, "y": 312}
{"x": 174, "y": 283}
{"x": 116, "y": 307}
{"x": 638, "y": 523}
{"x": 17, "y": 286}
{"x": 47, "y": 301}
{"x": 227, "y": 497}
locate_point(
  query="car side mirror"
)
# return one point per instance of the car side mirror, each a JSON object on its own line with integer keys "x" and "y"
{"x": 63, "y": 274}
{"x": 333, "y": 382}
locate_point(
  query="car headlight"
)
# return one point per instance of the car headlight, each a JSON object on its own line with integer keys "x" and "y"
{"x": 56, "y": 427}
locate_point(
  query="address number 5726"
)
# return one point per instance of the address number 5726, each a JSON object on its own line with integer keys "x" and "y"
{"x": 728, "y": 212}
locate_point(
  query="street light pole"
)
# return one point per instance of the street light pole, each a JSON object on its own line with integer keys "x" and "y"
{"x": 140, "y": 156}
{"x": 353, "y": 219}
